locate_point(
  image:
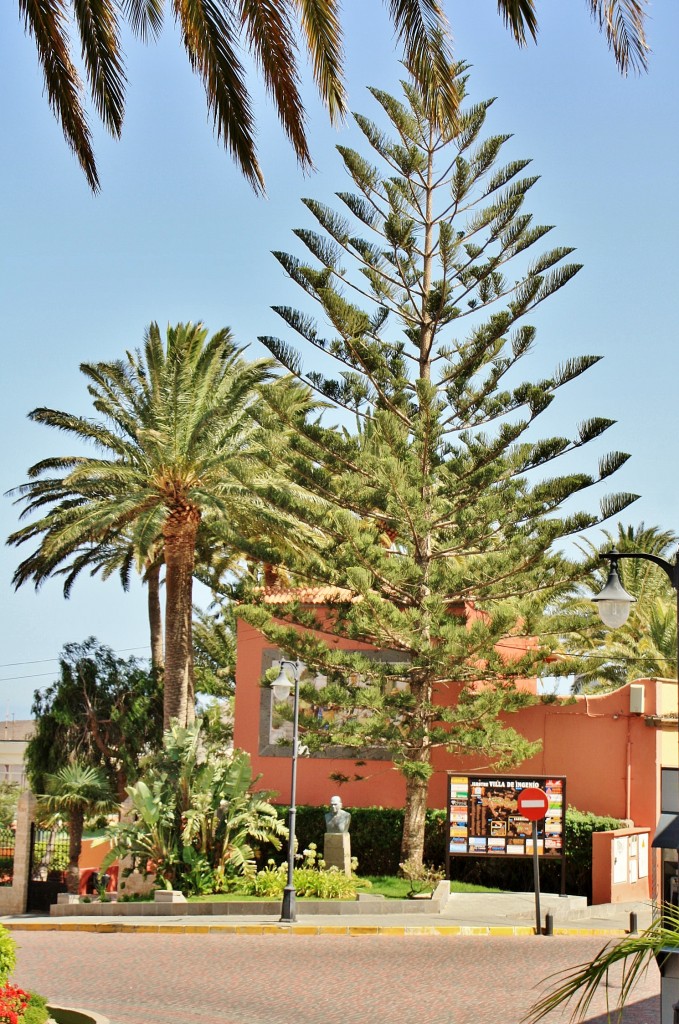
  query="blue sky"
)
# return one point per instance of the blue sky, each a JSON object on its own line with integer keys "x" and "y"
{"x": 177, "y": 235}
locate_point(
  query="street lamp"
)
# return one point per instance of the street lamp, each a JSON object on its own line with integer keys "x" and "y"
{"x": 614, "y": 603}
{"x": 281, "y": 688}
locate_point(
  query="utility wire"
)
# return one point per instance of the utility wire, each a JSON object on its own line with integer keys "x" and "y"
{"x": 43, "y": 661}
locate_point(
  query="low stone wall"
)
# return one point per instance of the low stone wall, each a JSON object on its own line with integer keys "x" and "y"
{"x": 359, "y": 907}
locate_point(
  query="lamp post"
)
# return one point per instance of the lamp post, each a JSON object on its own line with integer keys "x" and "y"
{"x": 614, "y": 603}
{"x": 281, "y": 687}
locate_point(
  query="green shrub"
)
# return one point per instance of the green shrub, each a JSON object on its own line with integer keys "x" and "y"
{"x": 36, "y": 1012}
{"x": 376, "y": 845}
{"x": 311, "y": 879}
{"x": 8, "y": 956}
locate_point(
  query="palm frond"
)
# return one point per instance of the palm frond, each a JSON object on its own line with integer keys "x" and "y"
{"x": 623, "y": 23}
{"x": 46, "y": 21}
{"x": 210, "y": 35}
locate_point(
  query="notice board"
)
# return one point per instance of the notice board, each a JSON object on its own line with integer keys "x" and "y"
{"x": 484, "y": 818}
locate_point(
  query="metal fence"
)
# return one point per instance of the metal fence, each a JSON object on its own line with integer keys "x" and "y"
{"x": 7, "y": 839}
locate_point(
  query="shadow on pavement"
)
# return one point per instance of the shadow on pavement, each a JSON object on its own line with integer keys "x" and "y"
{"x": 642, "y": 1011}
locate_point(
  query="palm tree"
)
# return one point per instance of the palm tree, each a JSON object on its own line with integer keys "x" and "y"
{"x": 577, "y": 986}
{"x": 76, "y": 791}
{"x": 271, "y": 31}
{"x": 182, "y": 448}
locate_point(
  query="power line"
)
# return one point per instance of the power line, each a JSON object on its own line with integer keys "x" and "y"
{"x": 44, "y": 661}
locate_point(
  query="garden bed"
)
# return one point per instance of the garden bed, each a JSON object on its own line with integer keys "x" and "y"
{"x": 365, "y": 904}
{"x": 66, "y": 1015}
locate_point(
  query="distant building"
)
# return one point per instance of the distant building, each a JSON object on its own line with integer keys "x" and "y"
{"x": 14, "y": 736}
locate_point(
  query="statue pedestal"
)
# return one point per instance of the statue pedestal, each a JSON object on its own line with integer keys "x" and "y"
{"x": 337, "y": 851}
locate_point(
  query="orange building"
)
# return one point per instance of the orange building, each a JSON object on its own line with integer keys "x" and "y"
{"x": 610, "y": 747}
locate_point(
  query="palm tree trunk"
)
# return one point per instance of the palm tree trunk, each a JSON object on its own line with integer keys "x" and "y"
{"x": 179, "y": 534}
{"x": 76, "y": 824}
{"x": 152, "y": 577}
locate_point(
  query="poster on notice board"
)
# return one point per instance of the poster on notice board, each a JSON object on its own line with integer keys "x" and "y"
{"x": 484, "y": 818}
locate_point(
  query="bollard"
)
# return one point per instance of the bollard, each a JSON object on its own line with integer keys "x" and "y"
{"x": 549, "y": 923}
{"x": 633, "y": 923}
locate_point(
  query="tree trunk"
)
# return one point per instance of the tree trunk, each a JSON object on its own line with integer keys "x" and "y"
{"x": 179, "y": 534}
{"x": 152, "y": 577}
{"x": 76, "y": 822}
{"x": 412, "y": 841}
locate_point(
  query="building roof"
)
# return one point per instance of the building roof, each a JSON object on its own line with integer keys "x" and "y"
{"x": 21, "y": 729}
{"x": 306, "y": 595}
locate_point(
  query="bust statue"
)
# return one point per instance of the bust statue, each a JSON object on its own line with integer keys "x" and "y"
{"x": 337, "y": 819}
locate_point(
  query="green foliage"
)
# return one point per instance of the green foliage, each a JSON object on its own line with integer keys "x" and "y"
{"x": 214, "y": 650}
{"x": 9, "y": 800}
{"x": 36, "y": 1012}
{"x": 311, "y": 879}
{"x": 440, "y": 517}
{"x": 193, "y": 818}
{"x": 8, "y": 957}
{"x": 579, "y": 828}
{"x": 180, "y": 455}
{"x": 75, "y": 791}
{"x": 103, "y": 711}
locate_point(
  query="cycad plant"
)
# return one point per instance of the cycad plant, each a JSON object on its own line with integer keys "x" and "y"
{"x": 181, "y": 450}
{"x": 443, "y": 521}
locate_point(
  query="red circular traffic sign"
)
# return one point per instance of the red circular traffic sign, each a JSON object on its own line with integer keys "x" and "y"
{"x": 533, "y": 803}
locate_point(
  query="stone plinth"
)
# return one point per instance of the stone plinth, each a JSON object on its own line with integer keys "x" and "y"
{"x": 169, "y": 896}
{"x": 337, "y": 851}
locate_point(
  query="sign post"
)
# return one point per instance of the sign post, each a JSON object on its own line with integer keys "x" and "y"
{"x": 533, "y": 804}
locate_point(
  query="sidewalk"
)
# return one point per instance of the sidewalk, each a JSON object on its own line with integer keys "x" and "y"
{"x": 464, "y": 914}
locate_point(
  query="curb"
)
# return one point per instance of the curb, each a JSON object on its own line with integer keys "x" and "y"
{"x": 108, "y": 927}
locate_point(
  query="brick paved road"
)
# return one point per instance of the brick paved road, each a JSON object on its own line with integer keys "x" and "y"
{"x": 239, "y": 979}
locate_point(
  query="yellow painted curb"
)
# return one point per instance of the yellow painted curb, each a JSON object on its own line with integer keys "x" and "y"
{"x": 109, "y": 927}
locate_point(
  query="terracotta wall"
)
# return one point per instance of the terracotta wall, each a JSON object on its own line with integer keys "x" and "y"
{"x": 611, "y": 757}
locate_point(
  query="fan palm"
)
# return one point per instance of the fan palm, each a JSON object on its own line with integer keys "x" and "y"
{"x": 213, "y": 31}
{"x": 180, "y": 450}
{"x": 77, "y": 790}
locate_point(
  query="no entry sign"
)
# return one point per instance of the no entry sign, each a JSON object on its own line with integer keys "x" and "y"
{"x": 533, "y": 803}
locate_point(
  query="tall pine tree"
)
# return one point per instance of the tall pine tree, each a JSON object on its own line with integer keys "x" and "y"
{"x": 433, "y": 508}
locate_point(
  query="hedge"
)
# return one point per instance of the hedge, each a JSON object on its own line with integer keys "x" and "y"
{"x": 376, "y": 841}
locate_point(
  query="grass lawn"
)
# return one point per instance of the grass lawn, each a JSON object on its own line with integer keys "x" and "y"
{"x": 380, "y": 885}
{"x": 398, "y": 888}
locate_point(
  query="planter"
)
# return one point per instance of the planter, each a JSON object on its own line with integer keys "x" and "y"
{"x": 67, "y": 1015}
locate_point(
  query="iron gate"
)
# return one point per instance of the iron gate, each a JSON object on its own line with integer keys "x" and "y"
{"x": 49, "y": 858}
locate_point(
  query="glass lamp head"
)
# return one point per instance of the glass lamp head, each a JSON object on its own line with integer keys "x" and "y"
{"x": 281, "y": 686}
{"x": 614, "y": 603}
